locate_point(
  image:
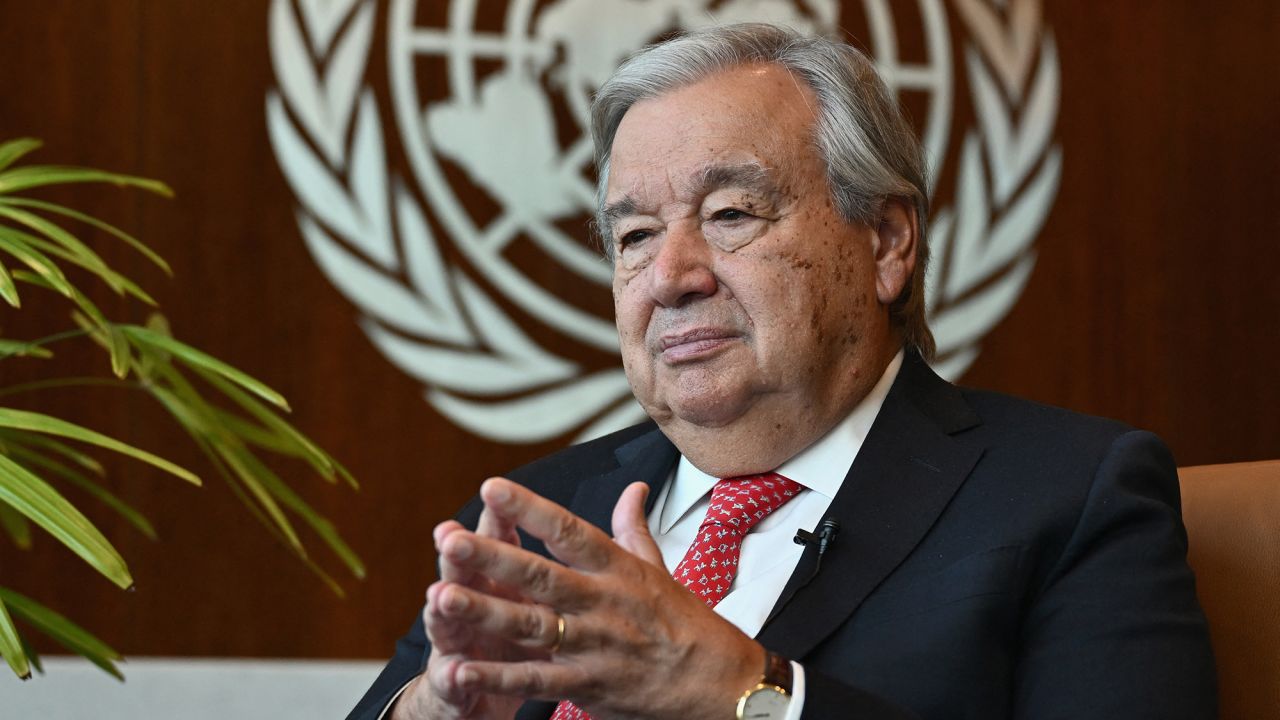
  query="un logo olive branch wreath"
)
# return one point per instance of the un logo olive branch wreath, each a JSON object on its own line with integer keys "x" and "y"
{"x": 370, "y": 235}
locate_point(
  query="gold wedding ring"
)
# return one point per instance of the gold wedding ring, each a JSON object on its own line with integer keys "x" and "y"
{"x": 559, "y": 634}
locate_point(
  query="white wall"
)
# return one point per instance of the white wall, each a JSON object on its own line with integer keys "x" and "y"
{"x": 187, "y": 689}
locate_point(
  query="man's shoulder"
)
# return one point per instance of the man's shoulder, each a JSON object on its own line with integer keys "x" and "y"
{"x": 1009, "y": 412}
{"x": 1059, "y": 440}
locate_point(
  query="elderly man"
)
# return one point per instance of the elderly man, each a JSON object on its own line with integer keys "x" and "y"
{"x": 965, "y": 554}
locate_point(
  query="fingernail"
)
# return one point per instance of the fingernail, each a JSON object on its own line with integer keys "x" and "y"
{"x": 467, "y": 676}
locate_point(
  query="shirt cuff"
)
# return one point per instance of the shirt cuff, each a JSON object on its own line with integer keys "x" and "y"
{"x": 796, "y": 706}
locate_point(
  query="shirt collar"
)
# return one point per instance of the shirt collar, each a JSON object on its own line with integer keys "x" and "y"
{"x": 821, "y": 467}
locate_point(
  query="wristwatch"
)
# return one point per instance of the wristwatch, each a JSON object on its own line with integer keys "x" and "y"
{"x": 771, "y": 697}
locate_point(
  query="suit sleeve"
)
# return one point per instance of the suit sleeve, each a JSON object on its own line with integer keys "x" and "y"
{"x": 1116, "y": 632}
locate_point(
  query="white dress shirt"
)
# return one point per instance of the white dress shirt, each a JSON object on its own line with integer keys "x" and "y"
{"x": 769, "y": 555}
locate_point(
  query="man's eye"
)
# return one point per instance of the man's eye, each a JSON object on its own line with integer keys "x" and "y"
{"x": 730, "y": 215}
{"x": 633, "y": 237}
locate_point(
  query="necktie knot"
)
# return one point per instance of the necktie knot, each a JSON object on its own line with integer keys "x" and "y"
{"x": 738, "y": 503}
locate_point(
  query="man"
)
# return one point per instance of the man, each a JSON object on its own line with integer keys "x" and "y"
{"x": 969, "y": 555}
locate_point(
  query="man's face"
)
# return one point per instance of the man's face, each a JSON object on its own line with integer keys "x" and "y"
{"x": 739, "y": 288}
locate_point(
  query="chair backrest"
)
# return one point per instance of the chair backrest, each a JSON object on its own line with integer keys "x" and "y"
{"x": 1232, "y": 513}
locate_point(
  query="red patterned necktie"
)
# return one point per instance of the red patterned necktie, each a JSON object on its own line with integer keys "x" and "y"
{"x": 711, "y": 562}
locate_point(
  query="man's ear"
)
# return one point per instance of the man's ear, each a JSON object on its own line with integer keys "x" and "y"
{"x": 897, "y": 235}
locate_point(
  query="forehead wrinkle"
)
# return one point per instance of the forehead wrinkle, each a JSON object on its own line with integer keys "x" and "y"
{"x": 750, "y": 176}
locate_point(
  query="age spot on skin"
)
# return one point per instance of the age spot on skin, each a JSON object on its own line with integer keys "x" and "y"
{"x": 795, "y": 261}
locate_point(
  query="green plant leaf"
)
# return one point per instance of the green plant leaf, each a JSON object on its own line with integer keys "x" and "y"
{"x": 32, "y": 655}
{"x": 16, "y": 526}
{"x": 18, "y": 348}
{"x": 68, "y": 634}
{"x": 35, "y": 461}
{"x": 11, "y": 242}
{"x": 291, "y": 441}
{"x": 120, "y": 353}
{"x": 185, "y": 403}
{"x": 238, "y": 459}
{"x": 8, "y": 290}
{"x": 199, "y": 359}
{"x": 36, "y": 422}
{"x": 106, "y": 227}
{"x": 117, "y": 281}
{"x": 93, "y": 322}
{"x": 190, "y": 410}
{"x": 31, "y": 176}
{"x": 286, "y": 495}
{"x": 252, "y": 506}
{"x": 87, "y": 257}
{"x": 11, "y": 645}
{"x": 221, "y": 469}
{"x": 256, "y": 484}
{"x": 36, "y": 499}
{"x": 30, "y": 439}
{"x": 11, "y": 150}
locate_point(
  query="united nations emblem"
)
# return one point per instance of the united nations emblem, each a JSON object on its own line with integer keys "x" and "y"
{"x": 461, "y": 235}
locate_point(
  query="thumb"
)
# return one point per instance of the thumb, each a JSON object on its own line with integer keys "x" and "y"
{"x": 631, "y": 527}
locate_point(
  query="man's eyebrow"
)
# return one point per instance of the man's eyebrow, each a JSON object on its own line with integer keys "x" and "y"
{"x": 748, "y": 176}
{"x": 613, "y": 211}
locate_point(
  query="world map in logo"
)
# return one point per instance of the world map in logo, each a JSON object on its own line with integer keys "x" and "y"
{"x": 461, "y": 236}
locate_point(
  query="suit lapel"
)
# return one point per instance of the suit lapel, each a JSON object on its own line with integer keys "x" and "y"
{"x": 901, "y": 481}
{"x": 648, "y": 458}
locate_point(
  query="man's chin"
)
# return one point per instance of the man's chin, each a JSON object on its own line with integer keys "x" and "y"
{"x": 707, "y": 412}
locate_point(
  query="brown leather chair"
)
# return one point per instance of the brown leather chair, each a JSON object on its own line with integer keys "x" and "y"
{"x": 1232, "y": 513}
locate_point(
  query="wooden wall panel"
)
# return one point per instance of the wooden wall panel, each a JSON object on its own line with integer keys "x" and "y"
{"x": 1154, "y": 299}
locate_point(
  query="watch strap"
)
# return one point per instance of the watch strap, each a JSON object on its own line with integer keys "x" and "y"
{"x": 777, "y": 671}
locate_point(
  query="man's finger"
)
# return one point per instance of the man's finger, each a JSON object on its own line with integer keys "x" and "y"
{"x": 569, "y": 538}
{"x": 496, "y": 526}
{"x": 532, "y": 679}
{"x": 530, "y": 576}
{"x": 447, "y": 635}
{"x": 442, "y": 677}
{"x": 631, "y": 526}
{"x": 535, "y": 627}
{"x": 448, "y": 571}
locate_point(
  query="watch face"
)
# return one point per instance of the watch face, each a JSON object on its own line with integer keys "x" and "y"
{"x": 765, "y": 704}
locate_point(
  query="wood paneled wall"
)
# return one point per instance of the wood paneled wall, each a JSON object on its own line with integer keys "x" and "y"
{"x": 1154, "y": 299}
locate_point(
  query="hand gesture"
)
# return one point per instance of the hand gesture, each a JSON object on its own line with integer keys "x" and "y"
{"x": 636, "y": 643}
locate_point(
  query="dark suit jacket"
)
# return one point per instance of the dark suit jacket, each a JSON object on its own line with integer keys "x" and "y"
{"x": 997, "y": 559}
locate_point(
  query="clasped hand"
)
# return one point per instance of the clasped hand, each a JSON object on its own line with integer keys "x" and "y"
{"x": 636, "y": 644}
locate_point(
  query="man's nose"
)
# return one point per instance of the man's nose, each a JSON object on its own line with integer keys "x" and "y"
{"x": 682, "y": 269}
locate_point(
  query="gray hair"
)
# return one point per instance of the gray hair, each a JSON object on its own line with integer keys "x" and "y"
{"x": 870, "y": 150}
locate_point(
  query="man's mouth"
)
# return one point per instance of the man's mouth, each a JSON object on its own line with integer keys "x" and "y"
{"x": 695, "y": 344}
